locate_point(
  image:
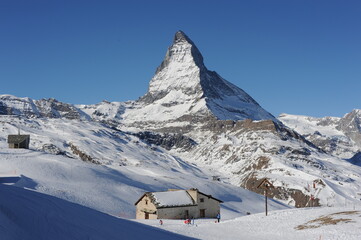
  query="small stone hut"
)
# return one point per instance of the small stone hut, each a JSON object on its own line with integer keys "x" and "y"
{"x": 19, "y": 141}
{"x": 177, "y": 204}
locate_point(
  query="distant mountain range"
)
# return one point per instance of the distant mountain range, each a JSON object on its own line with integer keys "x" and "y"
{"x": 198, "y": 117}
{"x": 337, "y": 136}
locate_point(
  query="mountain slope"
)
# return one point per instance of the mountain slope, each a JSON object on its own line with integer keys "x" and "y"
{"x": 337, "y": 136}
{"x": 28, "y": 215}
{"x": 102, "y": 168}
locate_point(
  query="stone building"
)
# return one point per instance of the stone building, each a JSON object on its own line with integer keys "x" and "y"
{"x": 19, "y": 141}
{"x": 177, "y": 204}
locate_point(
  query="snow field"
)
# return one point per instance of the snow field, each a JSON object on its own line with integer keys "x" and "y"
{"x": 308, "y": 223}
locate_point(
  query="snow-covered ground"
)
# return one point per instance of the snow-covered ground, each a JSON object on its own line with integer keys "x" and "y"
{"x": 28, "y": 215}
{"x": 113, "y": 190}
{"x": 308, "y": 223}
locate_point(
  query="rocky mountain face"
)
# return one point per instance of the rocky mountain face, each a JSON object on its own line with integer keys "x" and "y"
{"x": 48, "y": 108}
{"x": 350, "y": 124}
{"x": 337, "y": 136}
{"x": 197, "y": 116}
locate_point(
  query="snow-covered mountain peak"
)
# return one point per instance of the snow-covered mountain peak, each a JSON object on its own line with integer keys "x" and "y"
{"x": 182, "y": 85}
{"x": 180, "y": 68}
{"x": 354, "y": 114}
{"x": 182, "y": 50}
{"x": 180, "y": 36}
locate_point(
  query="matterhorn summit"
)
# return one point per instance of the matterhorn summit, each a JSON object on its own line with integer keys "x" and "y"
{"x": 179, "y": 71}
{"x": 183, "y": 88}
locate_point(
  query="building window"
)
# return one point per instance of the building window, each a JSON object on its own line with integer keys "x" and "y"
{"x": 201, "y": 199}
{"x": 146, "y": 202}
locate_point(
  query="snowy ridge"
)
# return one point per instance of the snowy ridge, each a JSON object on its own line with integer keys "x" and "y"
{"x": 338, "y": 136}
{"x": 11, "y": 105}
{"x": 51, "y": 108}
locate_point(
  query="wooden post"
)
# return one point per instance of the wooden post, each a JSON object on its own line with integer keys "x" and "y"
{"x": 265, "y": 194}
{"x": 265, "y": 185}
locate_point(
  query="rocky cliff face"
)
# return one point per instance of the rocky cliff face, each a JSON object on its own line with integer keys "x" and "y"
{"x": 11, "y": 105}
{"x": 350, "y": 124}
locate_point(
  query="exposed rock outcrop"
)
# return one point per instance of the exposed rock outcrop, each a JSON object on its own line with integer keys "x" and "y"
{"x": 167, "y": 141}
{"x": 83, "y": 156}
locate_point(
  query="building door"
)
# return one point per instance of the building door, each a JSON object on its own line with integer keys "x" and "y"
{"x": 202, "y": 213}
{"x": 146, "y": 215}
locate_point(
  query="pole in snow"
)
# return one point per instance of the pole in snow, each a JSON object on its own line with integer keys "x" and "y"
{"x": 265, "y": 194}
{"x": 265, "y": 185}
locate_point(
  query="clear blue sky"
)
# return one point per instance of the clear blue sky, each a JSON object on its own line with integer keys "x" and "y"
{"x": 292, "y": 56}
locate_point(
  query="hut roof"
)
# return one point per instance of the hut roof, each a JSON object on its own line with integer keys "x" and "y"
{"x": 17, "y": 138}
{"x": 210, "y": 196}
{"x": 172, "y": 198}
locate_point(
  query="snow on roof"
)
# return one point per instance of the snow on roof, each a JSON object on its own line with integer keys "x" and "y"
{"x": 172, "y": 198}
